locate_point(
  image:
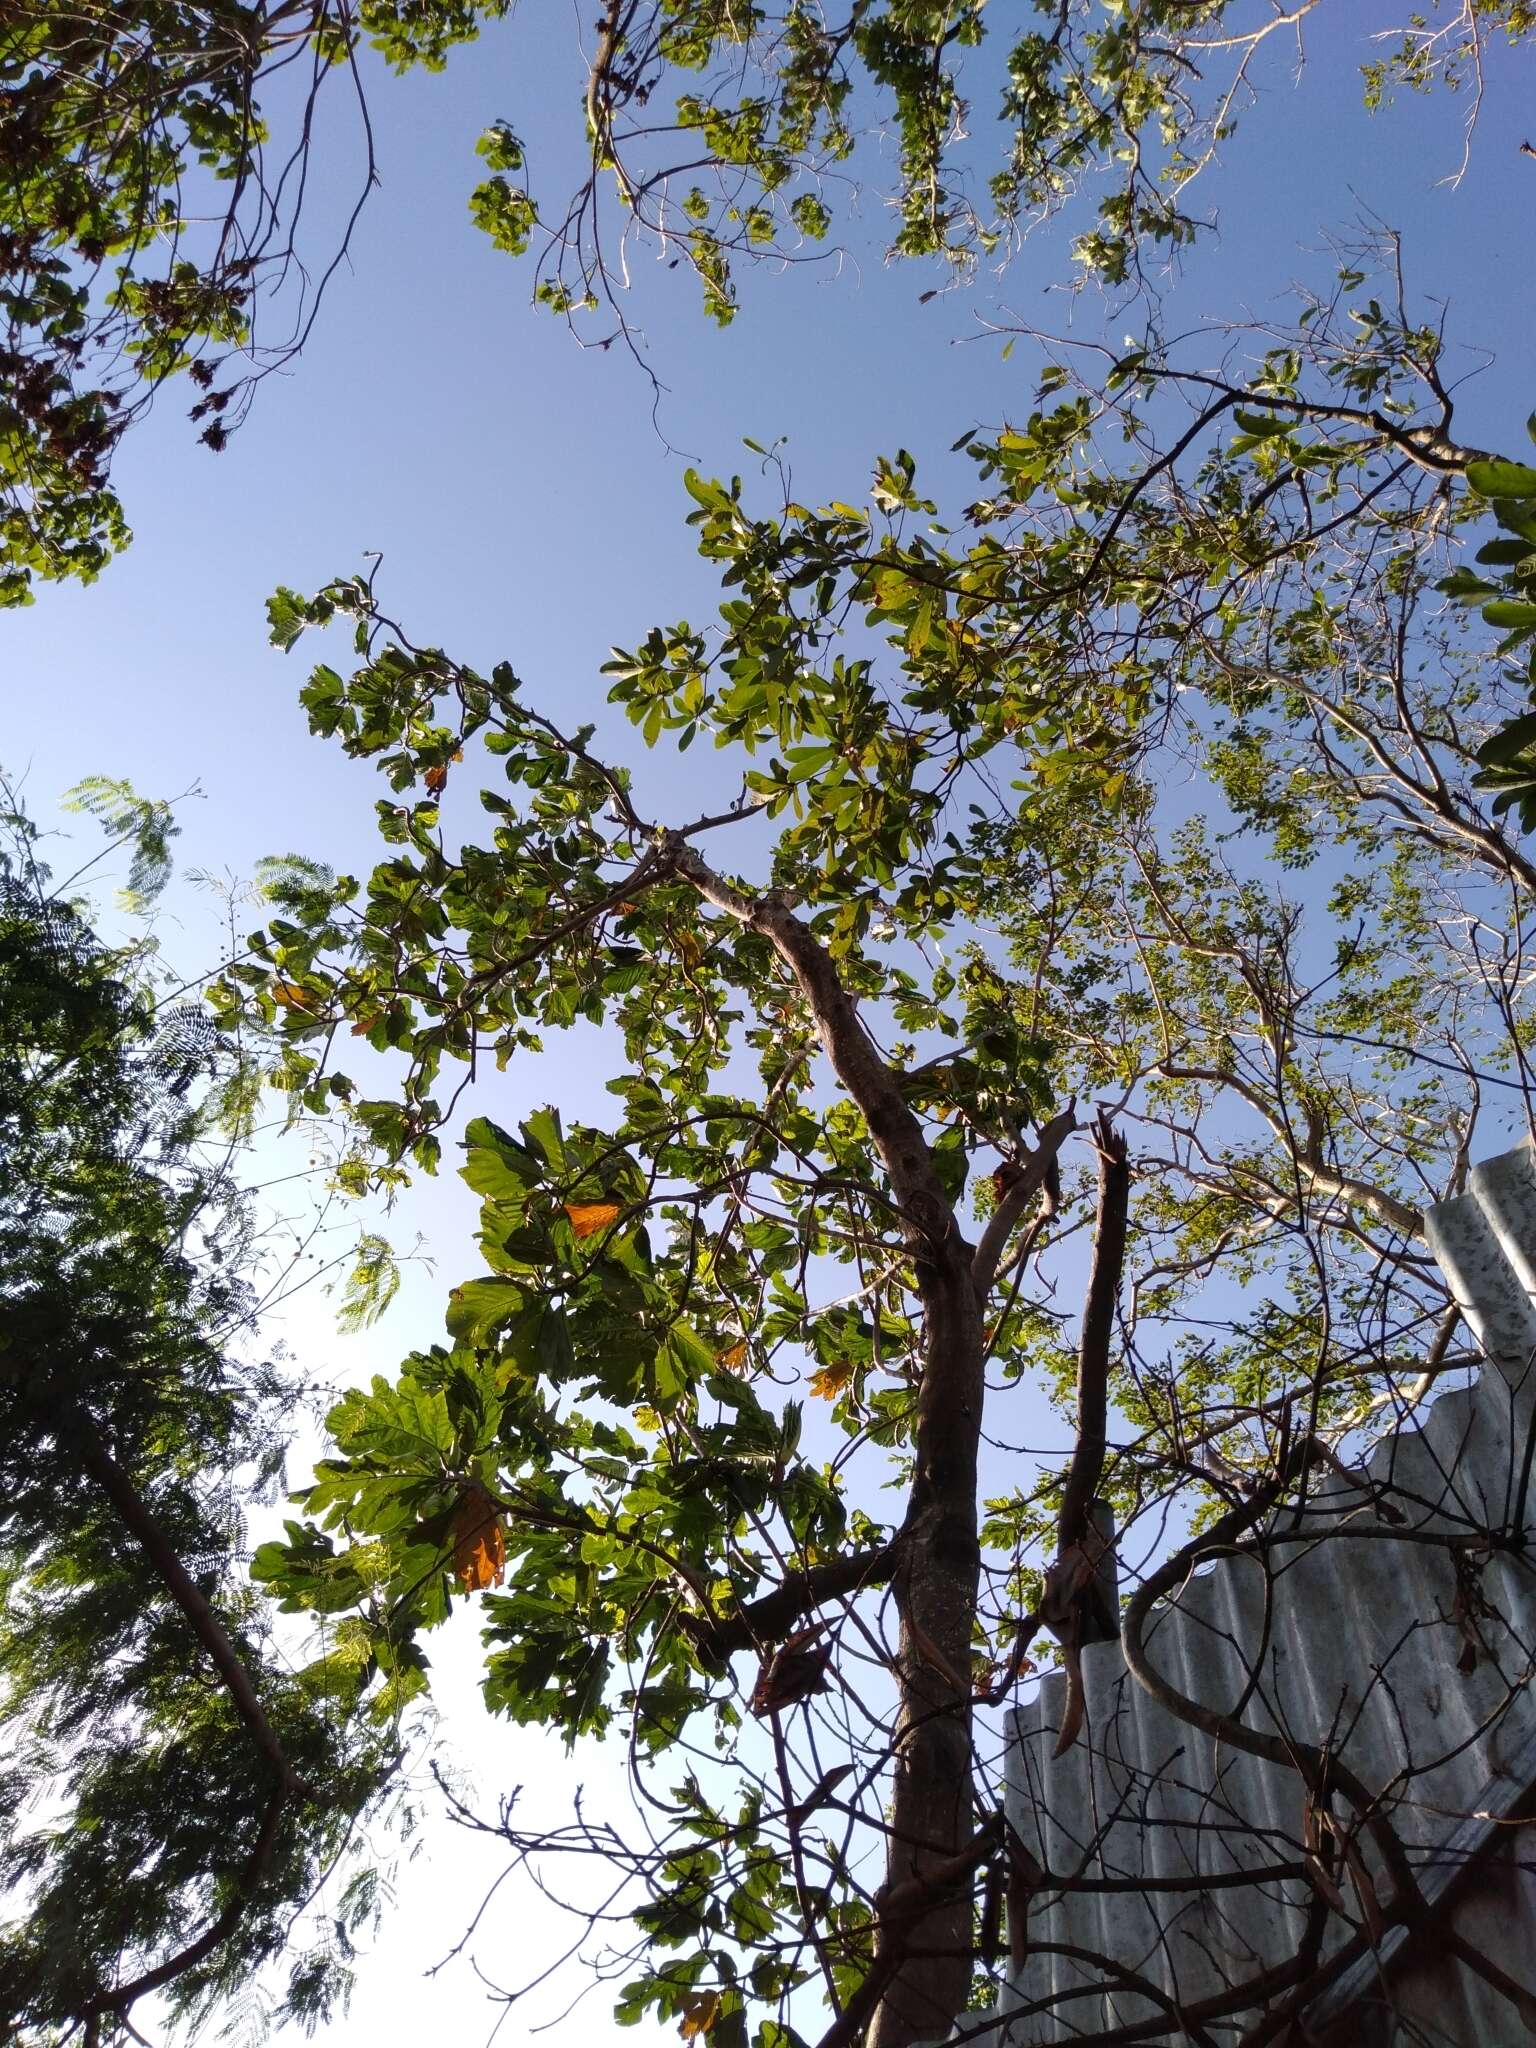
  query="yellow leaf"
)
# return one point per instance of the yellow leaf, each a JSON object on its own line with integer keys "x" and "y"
{"x": 831, "y": 1380}
{"x": 479, "y": 1545}
{"x": 587, "y": 1218}
{"x": 734, "y": 1357}
{"x": 291, "y": 996}
{"x": 700, "y": 2010}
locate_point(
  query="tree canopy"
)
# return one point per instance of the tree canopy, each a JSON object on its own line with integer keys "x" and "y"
{"x": 155, "y": 172}
{"x": 1097, "y": 931}
{"x": 173, "y": 1786}
{"x": 728, "y": 1404}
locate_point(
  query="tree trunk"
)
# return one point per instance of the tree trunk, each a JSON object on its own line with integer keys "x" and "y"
{"x": 921, "y": 1974}
{"x": 932, "y": 1814}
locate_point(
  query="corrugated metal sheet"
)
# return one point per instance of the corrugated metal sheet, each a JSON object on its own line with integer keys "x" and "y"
{"x": 1348, "y": 1638}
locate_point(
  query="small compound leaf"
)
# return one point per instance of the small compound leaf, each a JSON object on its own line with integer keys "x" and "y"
{"x": 372, "y": 1284}
{"x": 287, "y": 616}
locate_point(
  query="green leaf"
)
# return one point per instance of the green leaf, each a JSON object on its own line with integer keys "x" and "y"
{"x": 705, "y": 491}
{"x": 1263, "y": 425}
{"x": 542, "y": 1130}
{"x": 286, "y": 617}
{"x": 491, "y": 1172}
{"x": 477, "y": 1309}
{"x": 481, "y": 1134}
{"x": 305, "y": 1574}
{"x": 371, "y": 1285}
{"x": 1509, "y": 742}
{"x": 695, "y": 1358}
{"x": 1465, "y": 586}
{"x": 1500, "y": 479}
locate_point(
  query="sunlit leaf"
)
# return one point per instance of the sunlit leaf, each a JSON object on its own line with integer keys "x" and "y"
{"x": 830, "y": 1381}
{"x": 1500, "y": 479}
{"x": 479, "y": 1542}
{"x": 587, "y": 1218}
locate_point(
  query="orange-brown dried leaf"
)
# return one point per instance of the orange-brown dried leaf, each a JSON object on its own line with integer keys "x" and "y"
{"x": 988, "y": 1674}
{"x": 700, "y": 2010}
{"x": 792, "y": 1673}
{"x": 831, "y": 1380}
{"x": 734, "y": 1357}
{"x": 587, "y": 1218}
{"x": 291, "y": 996}
{"x": 479, "y": 1543}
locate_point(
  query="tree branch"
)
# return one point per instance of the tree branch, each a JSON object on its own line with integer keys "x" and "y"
{"x": 206, "y": 1626}
{"x": 210, "y": 1632}
{"x": 897, "y": 1134}
{"x": 218, "y": 1930}
{"x": 773, "y": 1616}
{"x": 1087, "y": 1467}
{"x": 1032, "y": 1177}
{"x": 1376, "y": 1203}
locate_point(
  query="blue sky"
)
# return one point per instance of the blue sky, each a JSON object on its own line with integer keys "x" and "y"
{"x": 526, "y": 507}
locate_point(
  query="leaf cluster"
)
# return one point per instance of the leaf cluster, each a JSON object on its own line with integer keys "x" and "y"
{"x": 126, "y": 1260}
